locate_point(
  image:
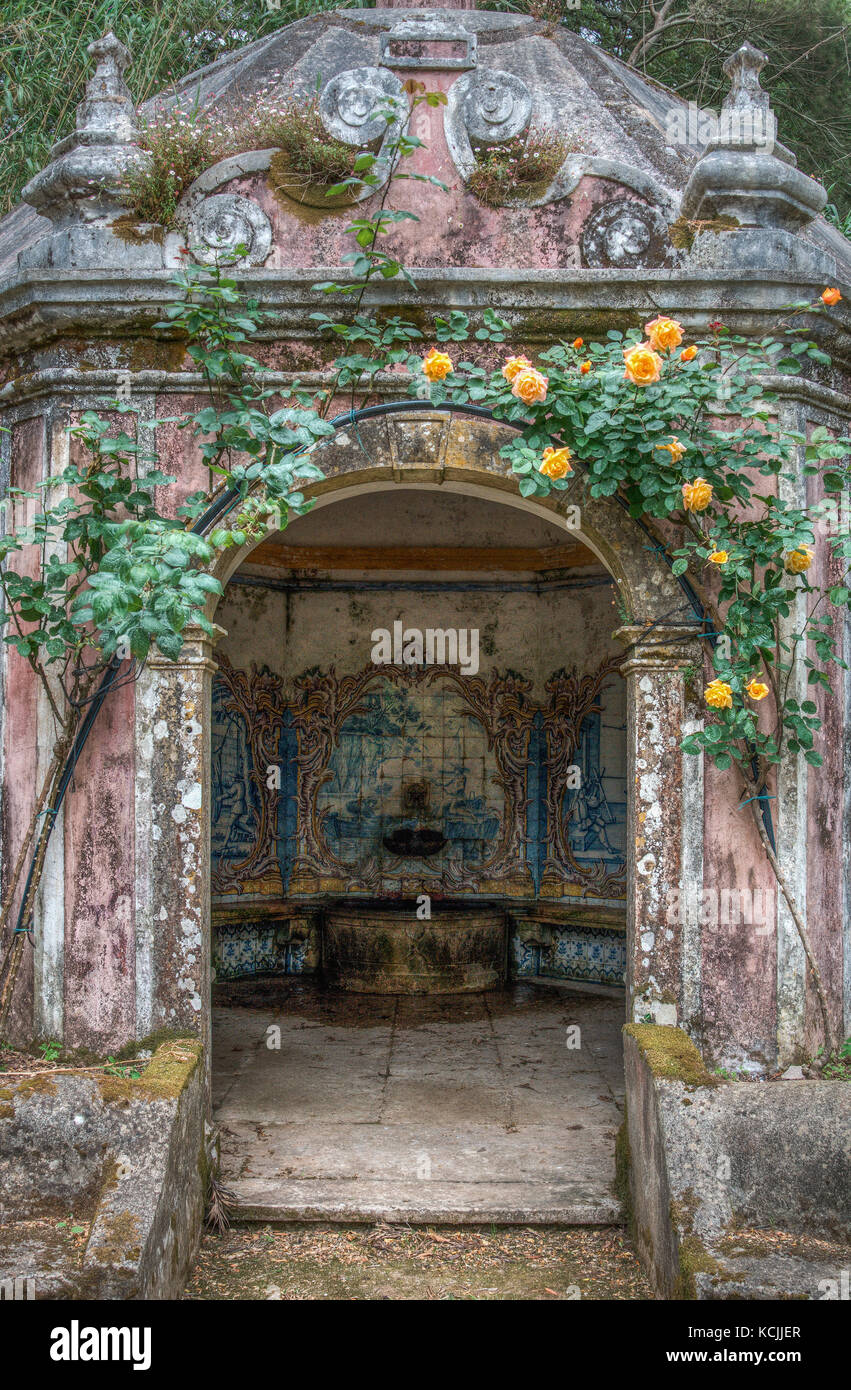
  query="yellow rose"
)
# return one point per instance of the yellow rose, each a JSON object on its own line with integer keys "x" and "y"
{"x": 556, "y": 462}
{"x": 697, "y": 495}
{"x": 664, "y": 334}
{"x": 799, "y": 560}
{"x": 756, "y": 689}
{"x": 437, "y": 365}
{"x": 515, "y": 365}
{"x": 643, "y": 366}
{"x": 675, "y": 448}
{"x": 719, "y": 695}
{"x": 719, "y": 557}
{"x": 688, "y": 353}
{"x": 529, "y": 386}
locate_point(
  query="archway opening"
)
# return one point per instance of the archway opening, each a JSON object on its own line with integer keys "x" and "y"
{"x": 419, "y": 859}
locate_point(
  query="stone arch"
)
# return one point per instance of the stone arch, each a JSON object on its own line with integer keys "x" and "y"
{"x": 434, "y": 448}
{"x": 458, "y": 453}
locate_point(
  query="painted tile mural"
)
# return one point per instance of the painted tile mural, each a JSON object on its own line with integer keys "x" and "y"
{"x": 309, "y": 787}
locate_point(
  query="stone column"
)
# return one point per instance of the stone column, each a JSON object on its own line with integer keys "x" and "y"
{"x": 173, "y": 839}
{"x": 664, "y": 825}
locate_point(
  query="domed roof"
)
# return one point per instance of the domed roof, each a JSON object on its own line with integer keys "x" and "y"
{"x": 632, "y": 146}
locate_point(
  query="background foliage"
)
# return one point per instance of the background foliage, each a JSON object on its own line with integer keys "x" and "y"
{"x": 44, "y": 66}
{"x": 682, "y": 44}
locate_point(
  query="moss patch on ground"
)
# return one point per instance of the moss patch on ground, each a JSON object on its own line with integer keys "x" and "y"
{"x": 671, "y": 1054}
{"x": 316, "y": 1262}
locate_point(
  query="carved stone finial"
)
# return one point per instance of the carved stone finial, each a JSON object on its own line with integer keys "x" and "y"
{"x": 747, "y": 177}
{"x": 743, "y": 68}
{"x": 107, "y": 111}
{"x": 83, "y": 189}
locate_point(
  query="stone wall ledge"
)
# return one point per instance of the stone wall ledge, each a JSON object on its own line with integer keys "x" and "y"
{"x": 128, "y": 1159}
{"x": 736, "y": 1189}
{"x": 95, "y": 384}
{"x": 35, "y": 305}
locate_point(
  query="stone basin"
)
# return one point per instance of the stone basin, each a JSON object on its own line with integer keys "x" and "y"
{"x": 383, "y": 947}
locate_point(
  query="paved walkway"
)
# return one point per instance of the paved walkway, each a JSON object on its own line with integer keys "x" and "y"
{"x": 458, "y": 1110}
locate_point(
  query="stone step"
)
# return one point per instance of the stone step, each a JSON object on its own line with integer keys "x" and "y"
{"x": 424, "y": 1203}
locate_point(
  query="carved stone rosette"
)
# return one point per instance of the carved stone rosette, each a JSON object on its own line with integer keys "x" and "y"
{"x": 221, "y": 223}
{"x": 626, "y": 235}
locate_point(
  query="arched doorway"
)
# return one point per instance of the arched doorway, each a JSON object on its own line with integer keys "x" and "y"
{"x": 437, "y": 451}
{"x": 418, "y": 766}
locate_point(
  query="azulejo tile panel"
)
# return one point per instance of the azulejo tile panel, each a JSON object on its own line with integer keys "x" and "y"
{"x": 530, "y": 798}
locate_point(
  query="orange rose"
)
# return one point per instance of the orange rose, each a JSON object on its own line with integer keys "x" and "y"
{"x": 756, "y": 689}
{"x": 799, "y": 560}
{"x": 688, "y": 353}
{"x": 437, "y": 365}
{"x": 643, "y": 366}
{"x": 515, "y": 365}
{"x": 664, "y": 334}
{"x": 719, "y": 695}
{"x": 529, "y": 386}
{"x": 585, "y": 368}
{"x": 831, "y": 296}
{"x": 719, "y": 557}
{"x": 697, "y": 495}
{"x": 675, "y": 448}
{"x": 578, "y": 343}
{"x": 556, "y": 462}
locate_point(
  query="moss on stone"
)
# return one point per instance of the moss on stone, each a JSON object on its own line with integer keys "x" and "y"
{"x": 684, "y": 230}
{"x": 120, "y": 1241}
{"x": 164, "y": 1078}
{"x": 694, "y": 1259}
{"x": 301, "y": 198}
{"x": 131, "y": 229}
{"x": 622, "y": 1165}
{"x": 671, "y": 1054}
{"x": 43, "y": 1083}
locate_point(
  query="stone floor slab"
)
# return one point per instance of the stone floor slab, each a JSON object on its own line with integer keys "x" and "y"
{"x": 468, "y": 1110}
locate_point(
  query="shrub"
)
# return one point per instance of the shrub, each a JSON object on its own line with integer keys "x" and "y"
{"x": 182, "y": 142}
{"x": 510, "y": 171}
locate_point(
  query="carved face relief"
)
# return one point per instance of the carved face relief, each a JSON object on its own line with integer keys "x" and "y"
{"x": 497, "y": 106}
{"x": 349, "y": 100}
{"x": 624, "y": 234}
{"x": 356, "y": 103}
{"x": 496, "y": 102}
{"x": 227, "y": 220}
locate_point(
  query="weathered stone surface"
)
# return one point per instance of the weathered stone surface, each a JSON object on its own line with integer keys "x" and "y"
{"x": 128, "y": 1158}
{"x": 709, "y": 1157}
{"x": 433, "y": 1109}
{"x": 82, "y": 191}
{"x": 220, "y": 224}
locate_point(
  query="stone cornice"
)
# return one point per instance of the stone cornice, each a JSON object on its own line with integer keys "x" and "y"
{"x": 51, "y": 382}
{"x": 36, "y": 306}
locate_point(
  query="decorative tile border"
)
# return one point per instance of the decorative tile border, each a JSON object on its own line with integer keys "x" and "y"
{"x": 593, "y": 954}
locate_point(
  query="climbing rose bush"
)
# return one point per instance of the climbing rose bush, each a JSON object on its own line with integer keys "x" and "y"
{"x": 687, "y": 436}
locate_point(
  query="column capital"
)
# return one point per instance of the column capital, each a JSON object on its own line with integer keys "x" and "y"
{"x": 197, "y": 650}
{"x": 658, "y": 647}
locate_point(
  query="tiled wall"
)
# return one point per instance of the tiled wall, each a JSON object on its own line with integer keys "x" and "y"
{"x": 314, "y": 765}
